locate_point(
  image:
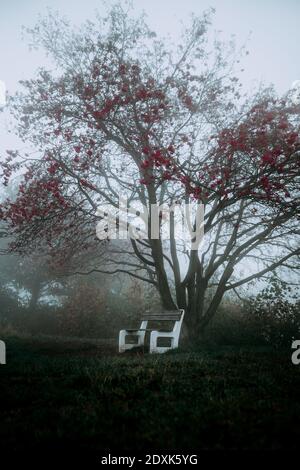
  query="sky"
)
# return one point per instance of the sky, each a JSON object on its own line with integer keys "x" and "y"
{"x": 273, "y": 43}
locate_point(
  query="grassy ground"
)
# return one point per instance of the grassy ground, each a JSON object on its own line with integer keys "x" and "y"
{"x": 58, "y": 395}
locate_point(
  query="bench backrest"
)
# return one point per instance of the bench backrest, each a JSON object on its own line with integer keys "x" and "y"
{"x": 162, "y": 316}
{"x": 169, "y": 316}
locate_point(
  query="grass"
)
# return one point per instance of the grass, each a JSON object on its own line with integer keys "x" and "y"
{"x": 68, "y": 395}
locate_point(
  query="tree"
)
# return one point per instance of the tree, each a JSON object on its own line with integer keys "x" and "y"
{"x": 125, "y": 112}
{"x": 33, "y": 272}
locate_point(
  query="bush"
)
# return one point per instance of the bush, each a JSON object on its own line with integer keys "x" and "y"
{"x": 232, "y": 326}
{"x": 274, "y": 315}
{"x": 95, "y": 311}
{"x": 272, "y": 318}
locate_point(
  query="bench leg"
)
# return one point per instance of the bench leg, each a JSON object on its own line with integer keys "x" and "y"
{"x": 162, "y": 349}
{"x": 122, "y": 340}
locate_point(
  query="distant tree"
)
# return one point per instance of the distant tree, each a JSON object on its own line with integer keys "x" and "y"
{"x": 32, "y": 275}
{"x": 127, "y": 113}
{"x": 33, "y": 272}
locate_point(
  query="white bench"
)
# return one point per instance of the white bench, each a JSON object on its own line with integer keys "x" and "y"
{"x": 169, "y": 316}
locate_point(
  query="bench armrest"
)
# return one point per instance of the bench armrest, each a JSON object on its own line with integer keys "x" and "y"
{"x": 145, "y": 329}
{"x": 163, "y": 333}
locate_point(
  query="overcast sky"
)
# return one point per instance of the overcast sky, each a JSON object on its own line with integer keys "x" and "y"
{"x": 273, "y": 45}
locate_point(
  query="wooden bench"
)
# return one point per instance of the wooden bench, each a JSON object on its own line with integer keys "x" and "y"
{"x": 140, "y": 333}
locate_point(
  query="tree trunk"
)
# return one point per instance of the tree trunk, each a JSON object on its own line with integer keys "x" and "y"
{"x": 35, "y": 295}
{"x": 193, "y": 324}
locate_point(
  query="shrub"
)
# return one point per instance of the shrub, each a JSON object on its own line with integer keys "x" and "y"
{"x": 274, "y": 315}
{"x": 272, "y": 318}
